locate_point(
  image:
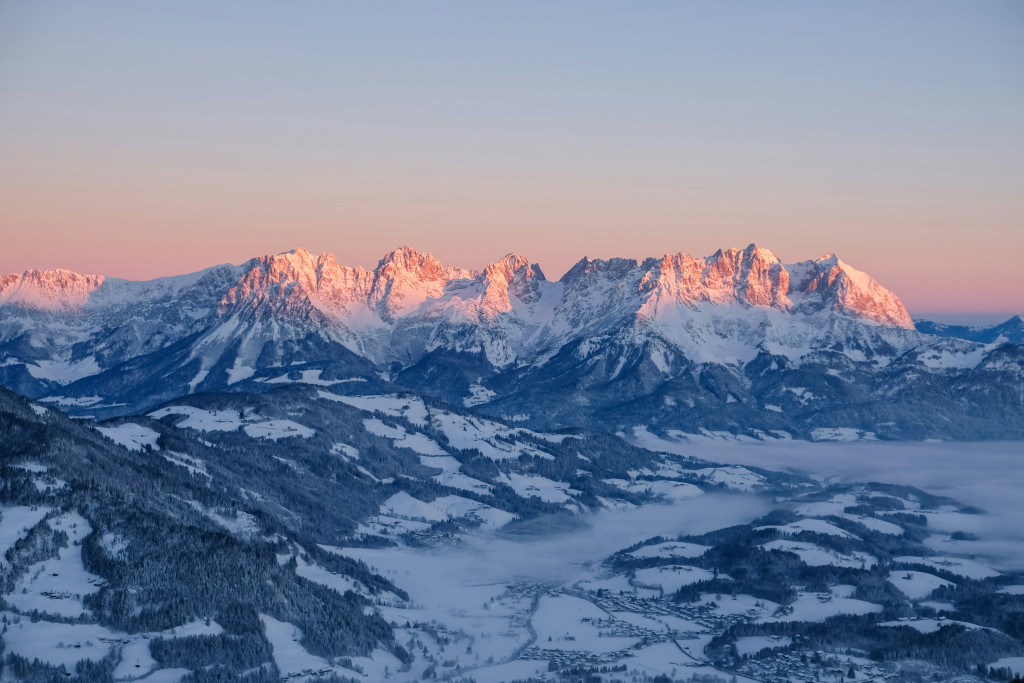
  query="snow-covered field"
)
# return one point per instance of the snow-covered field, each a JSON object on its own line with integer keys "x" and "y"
{"x": 818, "y": 607}
{"x": 277, "y": 429}
{"x": 954, "y": 565}
{"x": 57, "y": 586}
{"x": 132, "y": 436}
{"x": 748, "y": 645}
{"x": 16, "y": 521}
{"x": 671, "y": 490}
{"x": 414, "y": 441}
{"x": 1014, "y": 664}
{"x": 671, "y": 549}
{"x": 230, "y": 420}
{"x": 816, "y": 556}
{"x": 670, "y": 578}
{"x": 818, "y": 526}
{"x": 916, "y": 585}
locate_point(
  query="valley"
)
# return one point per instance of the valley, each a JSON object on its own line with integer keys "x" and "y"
{"x": 680, "y": 469}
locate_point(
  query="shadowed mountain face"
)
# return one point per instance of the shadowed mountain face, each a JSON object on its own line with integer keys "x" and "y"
{"x": 736, "y": 341}
{"x": 1009, "y": 332}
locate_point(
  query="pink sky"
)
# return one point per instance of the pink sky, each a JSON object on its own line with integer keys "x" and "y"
{"x": 147, "y": 139}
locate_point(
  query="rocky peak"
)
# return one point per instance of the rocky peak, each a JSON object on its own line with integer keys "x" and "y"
{"x": 49, "y": 290}
{"x": 513, "y": 275}
{"x": 753, "y": 276}
{"x": 405, "y": 278}
{"x": 828, "y": 281}
{"x": 587, "y": 268}
{"x": 297, "y": 280}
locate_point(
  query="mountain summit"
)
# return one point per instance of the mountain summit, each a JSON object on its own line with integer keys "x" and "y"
{"x": 737, "y": 328}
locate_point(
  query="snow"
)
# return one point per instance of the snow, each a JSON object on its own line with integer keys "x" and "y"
{"x": 841, "y": 434}
{"x": 818, "y": 607}
{"x": 818, "y": 526}
{"x": 113, "y": 544}
{"x": 402, "y": 505}
{"x": 238, "y": 523}
{"x": 58, "y": 584}
{"x": 137, "y": 661}
{"x": 954, "y": 565}
{"x": 239, "y": 372}
{"x": 682, "y": 656}
{"x": 451, "y": 476}
{"x": 671, "y": 549}
{"x": 193, "y": 465}
{"x": 346, "y": 451}
{"x": 289, "y": 655}
{"x": 1014, "y": 664}
{"x": 672, "y": 490}
{"x": 945, "y": 358}
{"x": 412, "y": 409}
{"x": 468, "y": 433}
{"x": 55, "y": 643}
{"x": 452, "y": 593}
{"x": 916, "y": 585}
{"x": 736, "y": 478}
{"x": 679, "y": 442}
{"x": 816, "y": 556}
{"x": 928, "y": 625}
{"x": 202, "y": 420}
{"x": 165, "y": 676}
{"x": 337, "y": 582}
{"x": 195, "y": 381}
{"x": 66, "y": 402}
{"x": 132, "y": 436}
{"x": 277, "y": 429}
{"x": 618, "y": 583}
{"x": 311, "y": 377}
{"x": 470, "y": 587}
{"x": 63, "y": 372}
{"x": 1016, "y": 589}
{"x": 414, "y": 441}
{"x": 385, "y": 525}
{"x": 570, "y": 624}
{"x": 518, "y": 670}
{"x": 670, "y": 578}
{"x": 534, "y": 485}
{"x": 875, "y": 524}
{"x": 751, "y": 645}
{"x": 16, "y": 522}
{"x": 478, "y": 394}
{"x": 833, "y": 506}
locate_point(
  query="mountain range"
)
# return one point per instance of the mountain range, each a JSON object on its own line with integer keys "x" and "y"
{"x": 736, "y": 342}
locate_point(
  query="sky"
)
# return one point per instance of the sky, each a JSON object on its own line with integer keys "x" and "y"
{"x": 147, "y": 139}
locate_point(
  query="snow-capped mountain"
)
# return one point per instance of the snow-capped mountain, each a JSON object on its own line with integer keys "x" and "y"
{"x": 735, "y": 341}
{"x": 1011, "y": 331}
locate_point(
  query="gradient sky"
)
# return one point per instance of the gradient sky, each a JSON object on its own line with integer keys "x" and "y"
{"x": 140, "y": 139}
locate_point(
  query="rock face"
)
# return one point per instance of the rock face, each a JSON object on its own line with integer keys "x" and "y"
{"x": 637, "y": 325}
{"x": 835, "y": 284}
{"x": 48, "y": 290}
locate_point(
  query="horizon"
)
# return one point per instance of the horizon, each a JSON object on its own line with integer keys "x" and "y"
{"x": 890, "y": 135}
{"x": 970, "y": 318}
